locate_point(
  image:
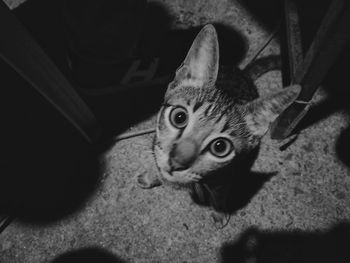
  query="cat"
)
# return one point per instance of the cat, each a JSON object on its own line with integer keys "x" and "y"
{"x": 208, "y": 122}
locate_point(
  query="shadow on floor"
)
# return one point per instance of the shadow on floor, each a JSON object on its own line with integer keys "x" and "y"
{"x": 232, "y": 188}
{"x": 92, "y": 254}
{"x": 47, "y": 169}
{"x": 290, "y": 246}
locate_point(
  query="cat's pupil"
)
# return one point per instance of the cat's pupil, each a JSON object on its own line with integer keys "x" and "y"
{"x": 180, "y": 117}
{"x": 220, "y": 146}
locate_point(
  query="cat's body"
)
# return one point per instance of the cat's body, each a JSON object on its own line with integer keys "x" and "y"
{"x": 208, "y": 121}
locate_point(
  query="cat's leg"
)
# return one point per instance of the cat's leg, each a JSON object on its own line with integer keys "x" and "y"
{"x": 219, "y": 198}
{"x": 214, "y": 197}
{"x": 147, "y": 180}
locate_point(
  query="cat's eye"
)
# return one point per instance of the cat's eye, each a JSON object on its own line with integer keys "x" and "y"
{"x": 221, "y": 147}
{"x": 178, "y": 117}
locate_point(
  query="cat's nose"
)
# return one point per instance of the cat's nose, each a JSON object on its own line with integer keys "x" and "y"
{"x": 182, "y": 155}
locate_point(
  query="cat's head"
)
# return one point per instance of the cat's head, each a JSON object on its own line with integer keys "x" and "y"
{"x": 199, "y": 127}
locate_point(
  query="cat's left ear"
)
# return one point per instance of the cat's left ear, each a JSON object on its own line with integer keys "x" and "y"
{"x": 201, "y": 64}
{"x": 260, "y": 113}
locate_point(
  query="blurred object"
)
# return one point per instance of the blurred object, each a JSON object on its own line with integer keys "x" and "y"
{"x": 19, "y": 50}
{"x": 14, "y": 3}
{"x": 102, "y": 38}
{"x": 103, "y": 31}
{"x": 5, "y": 221}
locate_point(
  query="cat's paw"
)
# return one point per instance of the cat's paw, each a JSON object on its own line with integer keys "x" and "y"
{"x": 219, "y": 220}
{"x": 145, "y": 181}
{"x": 194, "y": 177}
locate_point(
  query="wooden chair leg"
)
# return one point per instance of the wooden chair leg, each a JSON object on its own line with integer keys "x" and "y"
{"x": 5, "y": 221}
{"x": 294, "y": 46}
{"x": 22, "y": 53}
{"x": 331, "y": 38}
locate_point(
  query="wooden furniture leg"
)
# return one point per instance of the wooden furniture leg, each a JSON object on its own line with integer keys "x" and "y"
{"x": 331, "y": 38}
{"x": 21, "y": 52}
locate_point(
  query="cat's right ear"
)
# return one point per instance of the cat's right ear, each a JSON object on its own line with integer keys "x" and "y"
{"x": 200, "y": 67}
{"x": 260, "y": 113}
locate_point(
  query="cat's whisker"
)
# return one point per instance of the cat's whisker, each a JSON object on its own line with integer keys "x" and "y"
{"x": 128, "y": 135}
{"x": 149, "y": 151}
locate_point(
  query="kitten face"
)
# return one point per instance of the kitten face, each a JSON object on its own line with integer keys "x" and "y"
{"x": 196, "y": 137}
{"x": 199, "y": 128}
